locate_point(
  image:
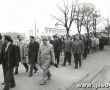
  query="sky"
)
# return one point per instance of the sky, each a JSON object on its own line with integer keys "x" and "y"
{"x": 20, "y": 15}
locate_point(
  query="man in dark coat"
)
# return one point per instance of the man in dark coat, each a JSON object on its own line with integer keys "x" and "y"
{"x": 101, "y": 43}
{"x": 86, "y": 47}
{"x": 8, "y": 59}
{"x": 1, "y": 44}
{"x": 57, "y": 48}
{"x": 67, "y": 51}
{"x": 18, "y": 60}
{"x": 33, "y": 55}
{"x": 21, "y": 51}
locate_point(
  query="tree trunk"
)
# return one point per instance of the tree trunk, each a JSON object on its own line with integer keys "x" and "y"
{"x": 78, "y": 29}
{"x": 67, "y": 31}
{"x": 108, "y": 38}
{"x": 87, "y": 32}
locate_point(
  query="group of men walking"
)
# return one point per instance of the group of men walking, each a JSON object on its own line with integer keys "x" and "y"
{"x": 77, "y": 46}
{"x": 11, "y": 53}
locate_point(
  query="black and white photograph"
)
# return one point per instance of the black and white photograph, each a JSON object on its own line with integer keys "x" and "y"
{"x": 54, "y": 44}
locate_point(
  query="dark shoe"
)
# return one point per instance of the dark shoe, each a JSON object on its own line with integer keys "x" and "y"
{"x": 3, "y": 83}
{"x": 6, "y": 88}
{"x": 27, "y": 69}
{"x": 15, "y": 73}
{"x": 36, "y": 70}
{"x": 75, "y": 67}
{"x": 43, "y": 82}
{"x": 55, "y": 65}
{"x": 12, "y": 86}
{"x": 30, "y": 76}
{"x": 80, "y": 66}
{"x": 63, "y": 65}
{"x": 49, "y": 76}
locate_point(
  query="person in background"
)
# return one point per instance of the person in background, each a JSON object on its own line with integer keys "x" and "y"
{"x": 57, "y": 48}
{"x": 101, "y": 43}
{"x": 22, "y": 50}
{"x": 3, "y": 66}
{"x": 50, "y": 41}
{"x": 97, "y": 43}
{"x": 8, "y": 59}
{"x": 67, "y": 50}
{"x": 77, "y": 50}
{"x": 86, "y": 47}
{"x": 45, "y": 59}
{"x": 33, "y": 49}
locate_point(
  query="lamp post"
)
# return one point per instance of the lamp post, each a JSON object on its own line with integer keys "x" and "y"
{"x": 94, "y": 23}
{"x": 35, "y": 28}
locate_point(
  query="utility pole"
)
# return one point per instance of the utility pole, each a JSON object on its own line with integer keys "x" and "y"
{"x": 108, "y": 30}
{"x": 35, "y": 28}
{"x": 94, "y": 23}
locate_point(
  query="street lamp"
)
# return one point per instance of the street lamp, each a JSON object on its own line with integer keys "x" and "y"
{"x": 94, "y": 22}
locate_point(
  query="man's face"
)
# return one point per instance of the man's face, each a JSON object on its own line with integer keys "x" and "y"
{"x": 4, "y": 41}
{"x": 55, "y": 38}
{"x": 44, "y": 42}
{"x": 77, "y": 37}
{"x": 31, "y": 39}
{"x": 20, "y": 38}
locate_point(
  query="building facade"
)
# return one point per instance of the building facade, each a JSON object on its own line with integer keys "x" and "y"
{"x": 53, "y": 31}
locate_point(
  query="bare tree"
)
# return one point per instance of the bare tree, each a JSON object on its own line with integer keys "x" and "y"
{"x": 96, "y": 20}
{"x": 88, "y": 10}
{"x": 107, "y": 30}
{"x": 79, "y": 18}
{"x": 68, "y": 15}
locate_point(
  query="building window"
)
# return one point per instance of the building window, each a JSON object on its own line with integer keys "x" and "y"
{"x": 37, "y": 30}
{"x": 50, "y": 31}
{"x": 46, "y": 31}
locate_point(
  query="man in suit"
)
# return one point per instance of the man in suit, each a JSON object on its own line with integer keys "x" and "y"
{"x": 1, "y": 44}
{"x": 77, "y": 49}
{"x": 33, "y": 49}
{"x": 8, "y": 59}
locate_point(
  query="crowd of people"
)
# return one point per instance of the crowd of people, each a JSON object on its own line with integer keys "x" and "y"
{"x": 44, "y": 54}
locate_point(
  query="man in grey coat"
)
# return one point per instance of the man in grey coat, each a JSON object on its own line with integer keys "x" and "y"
{"x": 77, "y": 50}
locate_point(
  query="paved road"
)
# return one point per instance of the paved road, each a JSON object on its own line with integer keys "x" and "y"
{"x": 62, "y": 77}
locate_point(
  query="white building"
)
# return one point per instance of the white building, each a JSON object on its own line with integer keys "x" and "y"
{"x": 53, "y": 31}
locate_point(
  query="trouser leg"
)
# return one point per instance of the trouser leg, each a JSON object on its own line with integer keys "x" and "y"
{"x": 4, "y": 71}
{"x": 25, "y": 65}
{"x": 79, "y": 60}
{"x": 48, "y": 73}
{"x": 31, "y": 69}
{"x": 16, "y": 68}
{"x": 35, "y": 68}
{"x": 69, "y": 58}
{"x": 44, "y": 74}
{"x": 9, "y": 77}
{"x": 58, "y": 57}
{"x": 76, "y": 60}
{"x": 65, "y": 58}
